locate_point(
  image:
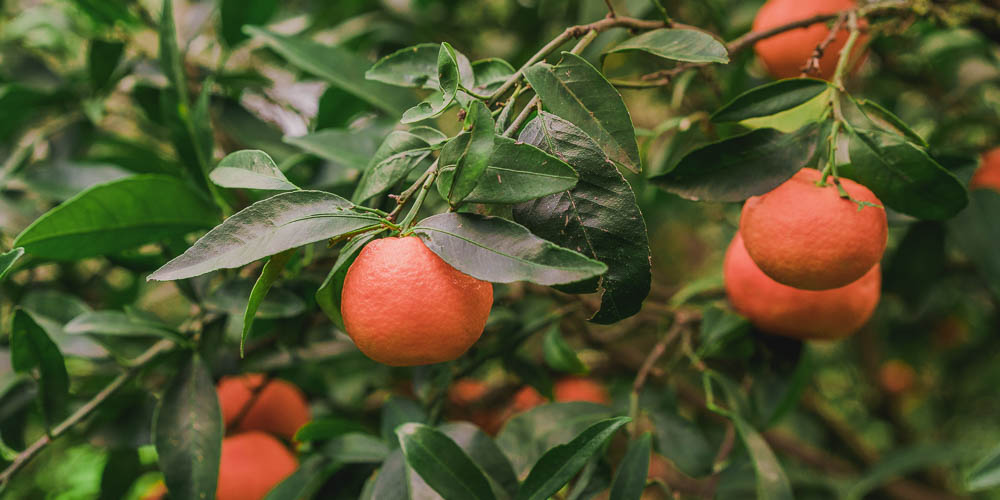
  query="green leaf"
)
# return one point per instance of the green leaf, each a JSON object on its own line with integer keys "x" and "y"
{"x": 118, "y": 215}
{"x": 442, "y": 464}
{"x": 490, "y": 74}
{"x": 558, "y": 465}
{"x": 985, "y": 474}
{"x": 120, "y": 324}
{"x": 415, "y": 66}
{"x": 902, "y": 462}
{"x": 885, "y": 120}
{"x": 232, "y": 295}
{"x": 723, "y": 332}
{"x": 400, "y": 152}
{"x": 500, "y": 251}
{"x": 187, "y": 431}
{"x": 977, "y": 234}
{"x": 486, "y": 454}
{"x": 630, "y": 478}
{"x": 268, "y": 275}
{"x": 356, "y": 448}
{"x": 306, "y": 480}
{"x": 7, "y": 261}
{"x": 392, "y": 483}
{"x": 103, "y": 57}
{"x": 737, "y": 168}
{"x": 788, "y": 121}
{"x": 576, "y": 91}
{"x": 119, "y": 473}
{"x": 171, "y": 60}
{"x": 398, "y": 411}
{"x": 348, "y": 147}
{"x": 235, "y": 14}
{"x": 284, "y": 221}
{"x": 328, "y": 295}
{"x": 31, "y": 348}
{"x": 527, "y": 436}
{"x": 337, "y": 65}
{"x": 772, "y": 483}
{"x": 448, "y": 81}
{"x": 683, "y": 442}
{"x": 250, "y": 169}
{"x": 469, "y": 153}
{"x": 770, "y": 99}
{"x": 599, "y": 217}
{"x": 903, "y": 176}
{"x": 677, "y": 45}
{"x": 559, "y": 355}
{"x": 325, "y": 428}
{"x": 517, "y": 172}
{"x": 779, "y": 379}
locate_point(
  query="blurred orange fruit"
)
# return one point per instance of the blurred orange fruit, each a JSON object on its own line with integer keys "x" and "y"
{"x": 279, "y": 408}
{"x": 896, "y": 376}
{"x": 564, "y": 390}
{"x": 252, "y": 463}
{"x": 987, "y": 176}
{"x": 786, "y": 54}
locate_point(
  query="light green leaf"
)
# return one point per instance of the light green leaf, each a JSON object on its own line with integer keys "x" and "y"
{"x": 268, "y": 275}
{"x": 678, "y": 45}
{"x": 559, "y": 355}
{"x": 7, "y": 261}
{"x": 120, "y": 324}
{"x": 770, "y": 99}
{"x": 448, "y": 82}
{"x": 250, "y": 169}
{"x": 630, "y": 478}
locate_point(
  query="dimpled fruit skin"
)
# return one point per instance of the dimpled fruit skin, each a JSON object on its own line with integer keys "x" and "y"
{"x": 252, "y": 463}
{"x": 404, "y": 306}
{"x": 802, "y": 314}
{"x": 784, "y": 55}
{"x": 987, "y": 176}
{"x": 809, "y": 237}
{"x": 280, "y": 407}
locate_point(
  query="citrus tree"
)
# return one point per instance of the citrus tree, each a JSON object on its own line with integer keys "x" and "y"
{"x": 426, "y": 249}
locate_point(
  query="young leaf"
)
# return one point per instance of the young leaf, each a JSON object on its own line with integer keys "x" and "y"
{"x": 770, "y": 99}
{"x": 448, "y": 81}
{"x": 517, "y": 172}
{"x": 187, "y": 432}
{"x": 250, "y": 169}
{"x": 118, "y": 215}
{"x": 558, "y": 465}
{"x": 559, "y": 355}
{"x": 904, "y": 176}
{"x": 7, "y": 261}
{"x": 442, "y": 464}
{"x": 30, "y": 348}
{"x": 117, "y": 323}
{"x": 677, "y": 45}
{"x": 577, "y": 92}
{"x": 737, "y": 168}
{"x": 328, "y": 295}
{"x": 469, "y": 153}
{"x": 235, "y": 14}
{"x": 337, "y": 65}
{"x": 985, "y": 474}
{"x": 490, "y": 74}
{"x": 501, "y": 251}
{"x": 102, "y": 60}
{"x": 599, "y": 217}
{"x": 348, "y": 147}
{"x": 270, "y": 226}
{"x": 268, "y": 275}
{"x": 399, "y": 153}
{"x": 630, "y": 478}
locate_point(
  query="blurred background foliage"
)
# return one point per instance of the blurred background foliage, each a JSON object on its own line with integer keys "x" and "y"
{"x": 913, "y": 395}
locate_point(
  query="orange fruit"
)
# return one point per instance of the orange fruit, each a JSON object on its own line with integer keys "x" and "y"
{"x": 792, "y": 312}
{"x": 527, "y": 397}
{"x": 404, "y": 306}
{"x": 467, "y": 391}
{"x": 808, "y": 237}
{"x": 564, "y": 390}
{"x": 280, "y": 408}
{"x": 987, "y": 176}
{"x": 786, "y": 54}
{"x": 465, "y": 396}
{"x": 252, "y": 463}
{"x": 896, "y": 376}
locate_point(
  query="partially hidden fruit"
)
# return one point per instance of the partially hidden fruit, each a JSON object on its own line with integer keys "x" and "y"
{"x": 279, "y": 408}
{"x": 896, "y": 376}
{"x": 466, "y": 398}
{"x": 987, "y": 176}
{"x": 804, "y": 314}
{"x": 405, "y": 306}
{"x": 785, "y": 54}
{"x": 252, "y": 463}
{"x": 564, "y": 390}
{"x": 808, "y": 237}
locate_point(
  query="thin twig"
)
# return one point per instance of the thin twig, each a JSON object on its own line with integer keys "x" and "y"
{"x": 611, "y": 9}
{"x": 812, "y": 65}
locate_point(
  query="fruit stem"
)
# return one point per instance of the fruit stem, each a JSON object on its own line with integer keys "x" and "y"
{"x": 845, "y": 53}
{"x": 431, "y": 175}
{"x": 406, "y": 195}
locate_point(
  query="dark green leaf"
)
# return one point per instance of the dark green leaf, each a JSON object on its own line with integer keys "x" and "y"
{"x": 770, "y": 98}
{"x": 683, "y": 443}
{"x": 398, "y": 411}
{"x": 235, "y": 14}
{"x": 678, "y": 45}
{"x": 356, "y": 447}
{"x": 485, "y": 453}
{"x": 268, "y": 275}
{"x": 903, "y": 176}
{"x": 527, "y": 436}
{"x": 118, "y": 323}
{"x": 7, "y": 261}
{"x": 171, "y": 59}
{"x": 305, "y": 481}
{"x": 250, "y": 169}
{"x": 328, "y": 295}
{"x": 722, "y": 332}
{"x": 559, "y": 355}
{"x": 119, "y": 215}
{"x": 772, "y": 483}
{"x": 977, "y": 234}
{"x": 231, "y": 298}
{"x": 336, "y": 65}
{"x": 188, "y": 432}
{"x": 469, "y": 153}
{"x": 890, "y": 122}
{"x": 270, "y": 226}
{"x": 500, "y": 251}
{"x": 985, "y": 474}
{"x": 902, "y": 462}
{"x": 558, "y": 465}
{"x": 630, "y": 478}
{"x": 579, "y": 93}
{"x": 517, "y": 172}
{"x": 338, "y": 108}
{"x": 442, "y": 464}
{"x": 120, "y": 471}
{"x": 349, "y": 147}
{"x": 448, "y": 81}
{"x": 780, "y": 376}
{"x": 30, "y": 348}
{"x": 599, "y": 217}
{"x": 737, "y": 168}
{"x": 395, "y": 158}
{"x": 102, "y": 59}
{"x": 324, "y": 428}
{"x": 490, "y": 74}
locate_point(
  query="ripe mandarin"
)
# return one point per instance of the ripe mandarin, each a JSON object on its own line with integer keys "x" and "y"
{"x": 803, "y": 314}
{"x": 785, "y": 54}
{"x": 987, "y": 176}
{"x": 808, "y": 237}
{"x": 404, "y": 306}
{"x": 280, "y": 408}
{"x": 252, "y": 463}
{"x": 564, "y": 390}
